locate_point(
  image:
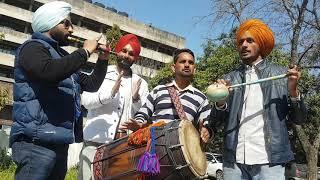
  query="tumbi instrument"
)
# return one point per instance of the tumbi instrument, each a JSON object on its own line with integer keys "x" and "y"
{"x": 219, "y": 92}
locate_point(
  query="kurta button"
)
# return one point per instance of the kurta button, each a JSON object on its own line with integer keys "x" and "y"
{"x": 115, "y": 120}
{"x": 119, "y": 108}
{"x": 111, "y": 133}
{"x": 121, "y": 97}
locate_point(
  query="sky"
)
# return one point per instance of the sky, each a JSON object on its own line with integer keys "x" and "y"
{"x": 181, "y": 17}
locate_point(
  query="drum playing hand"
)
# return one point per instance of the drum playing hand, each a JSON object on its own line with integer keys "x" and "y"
{"x": 204, "y": 132}
{"x": 131, "y": 124}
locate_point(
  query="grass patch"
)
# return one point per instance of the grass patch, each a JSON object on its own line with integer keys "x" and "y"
{"x": 8, "y": 174}
{"x": 72, "y": 174}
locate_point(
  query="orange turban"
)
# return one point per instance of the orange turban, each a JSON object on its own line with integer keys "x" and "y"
{"x": 261, "y": 33}
{"x": 129, "y": 39}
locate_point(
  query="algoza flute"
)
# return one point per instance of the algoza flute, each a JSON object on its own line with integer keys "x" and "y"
{"x": 74, "y": 39}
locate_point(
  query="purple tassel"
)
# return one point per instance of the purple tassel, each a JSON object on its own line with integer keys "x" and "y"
{"x": 149, "y": 162}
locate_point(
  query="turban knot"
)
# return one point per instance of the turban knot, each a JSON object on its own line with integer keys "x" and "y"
{"x": 261, "y": 34}
{"x": 129, "y": 39}
{"x": 49, "y": 15}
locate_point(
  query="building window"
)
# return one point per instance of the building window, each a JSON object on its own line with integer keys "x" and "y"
{"x": 23, "y": 4}
{"x": 12, "y": 23}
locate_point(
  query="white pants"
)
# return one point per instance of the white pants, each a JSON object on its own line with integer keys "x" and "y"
{"x": 86, "y": 157}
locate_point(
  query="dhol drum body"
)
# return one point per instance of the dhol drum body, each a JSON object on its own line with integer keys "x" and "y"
{"x": 177, "y": 147}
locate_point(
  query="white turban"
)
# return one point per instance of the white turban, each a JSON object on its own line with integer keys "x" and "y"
{"x": 49, "y": 15}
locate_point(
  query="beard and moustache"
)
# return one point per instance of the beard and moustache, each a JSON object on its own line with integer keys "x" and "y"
{"x": 60, "y": 37}
{"x": 125, "y": 64}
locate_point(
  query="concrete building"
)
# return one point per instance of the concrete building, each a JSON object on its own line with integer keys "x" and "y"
{"x": 89, "y": 21}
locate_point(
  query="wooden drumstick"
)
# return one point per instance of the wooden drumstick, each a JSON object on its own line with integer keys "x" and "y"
{"x": 74, "y": 39}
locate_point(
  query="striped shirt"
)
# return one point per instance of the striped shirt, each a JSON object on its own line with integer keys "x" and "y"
{"x": 159, "y": 106}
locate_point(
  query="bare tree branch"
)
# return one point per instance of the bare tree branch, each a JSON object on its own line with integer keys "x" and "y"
{"x": 304, "y": 53}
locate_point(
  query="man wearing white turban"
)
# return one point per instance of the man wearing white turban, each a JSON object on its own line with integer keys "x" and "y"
{"x": 48, "y": 83}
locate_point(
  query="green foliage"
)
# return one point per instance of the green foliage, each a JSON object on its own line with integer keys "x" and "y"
{"x": 4, "y": 97}
{"x": 311, "y": 89}
{"x": 216, "y": 61}
{"x": 72, "y": 174}
{"x": 277, "y": 56}
{"x": 5, "y": 160}
{"x": 7, "y": 166}
{"x": 113, "y": 35}
{"x": 165, "y": 75}
{"x": 1, "y": 36}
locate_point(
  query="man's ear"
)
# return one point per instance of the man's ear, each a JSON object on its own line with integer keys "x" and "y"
{"x": 195, "y": 70}
{"x": 173, "y": 68}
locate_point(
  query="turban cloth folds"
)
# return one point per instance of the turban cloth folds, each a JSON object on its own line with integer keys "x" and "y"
{"x": 261, "y": 34}
{"x": 49, "y": 15}
{"x": 129, "y": 39}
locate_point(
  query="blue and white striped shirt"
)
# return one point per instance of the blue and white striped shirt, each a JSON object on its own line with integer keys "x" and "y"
{"x": 159, "y": 106}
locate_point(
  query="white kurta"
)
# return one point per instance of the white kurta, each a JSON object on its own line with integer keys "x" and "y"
{"x": 251, "y": 147}
{"x": 105, "y": 112}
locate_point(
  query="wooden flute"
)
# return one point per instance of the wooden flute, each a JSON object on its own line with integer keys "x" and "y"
{"x": 77, "y": 40}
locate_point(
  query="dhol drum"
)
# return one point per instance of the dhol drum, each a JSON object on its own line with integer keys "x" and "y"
{"x": 177, "y": 147}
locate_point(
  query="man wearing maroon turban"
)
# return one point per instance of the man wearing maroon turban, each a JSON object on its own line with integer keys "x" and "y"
{"x": 119, "y": 97}
{"x": 256, "y": 144}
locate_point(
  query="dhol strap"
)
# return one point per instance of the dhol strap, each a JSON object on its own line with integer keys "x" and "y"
{"x": 177, "y": 103}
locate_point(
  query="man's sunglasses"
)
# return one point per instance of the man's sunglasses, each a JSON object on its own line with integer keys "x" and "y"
{"x": 67, "y": 23}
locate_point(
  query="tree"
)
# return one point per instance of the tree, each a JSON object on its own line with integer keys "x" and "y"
{"x": 113, "y": 35}
{"x": 165, "y": 75}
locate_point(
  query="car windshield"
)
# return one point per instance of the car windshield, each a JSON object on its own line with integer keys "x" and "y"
{"x": 219, "y": 158}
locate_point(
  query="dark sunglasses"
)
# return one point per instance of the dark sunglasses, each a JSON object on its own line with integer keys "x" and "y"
{"x": 67, "y": 23}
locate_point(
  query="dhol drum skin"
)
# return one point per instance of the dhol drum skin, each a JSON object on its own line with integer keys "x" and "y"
{"x": 177, "y": 147}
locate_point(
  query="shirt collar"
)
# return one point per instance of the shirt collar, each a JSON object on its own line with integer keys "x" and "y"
{"x": 253, "y": 68}
{"x": 52, "y": 42}
{"x": 188, "y": 88}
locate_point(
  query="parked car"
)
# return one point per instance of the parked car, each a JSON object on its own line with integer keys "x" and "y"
{"x": 214, "y": 169}
{"x": 294, "y": 171}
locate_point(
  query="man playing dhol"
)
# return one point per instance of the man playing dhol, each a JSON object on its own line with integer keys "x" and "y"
{"x": 159, "y": 106}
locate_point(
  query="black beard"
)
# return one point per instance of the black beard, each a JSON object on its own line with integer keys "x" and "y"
{"x": 125, "y": 64}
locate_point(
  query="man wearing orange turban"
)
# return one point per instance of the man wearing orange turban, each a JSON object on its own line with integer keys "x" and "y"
{"x": 256, "y": 138}
{"x": 119, "y": 97}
